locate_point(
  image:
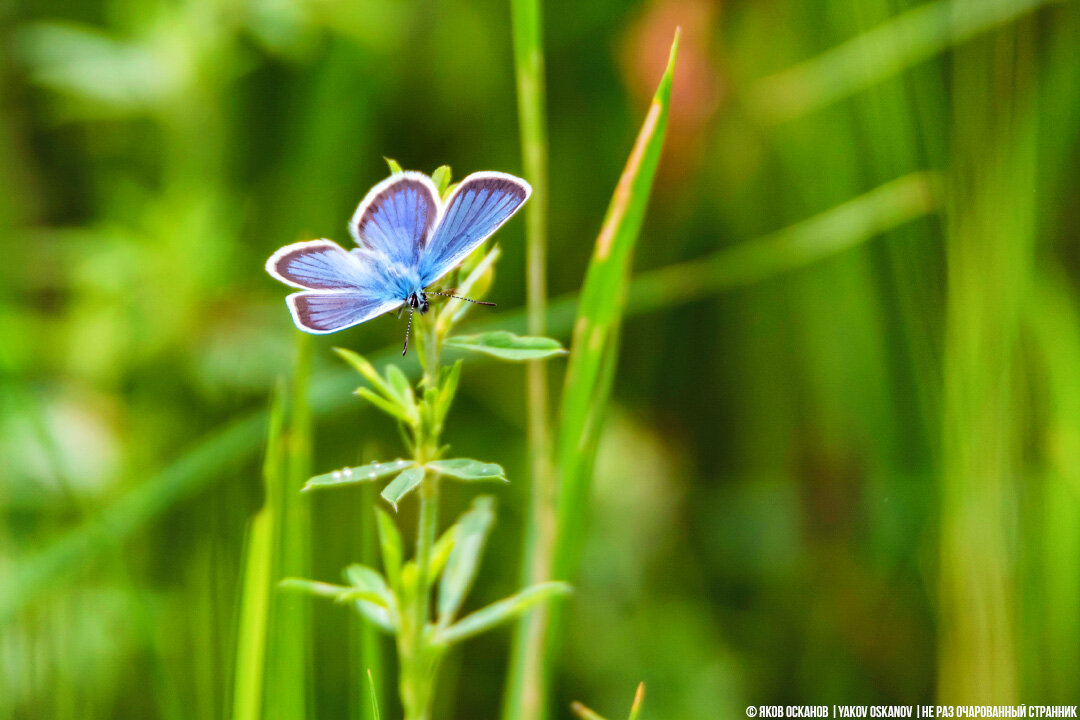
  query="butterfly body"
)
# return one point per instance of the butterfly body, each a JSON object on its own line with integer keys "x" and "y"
{"x": 407, "y": 239}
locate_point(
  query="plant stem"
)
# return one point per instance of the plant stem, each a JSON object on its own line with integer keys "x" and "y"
{"x": 425, "y": 539}
{"x": 418, "y": 661}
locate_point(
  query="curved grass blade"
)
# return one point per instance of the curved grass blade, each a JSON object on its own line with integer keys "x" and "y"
{"x": 599, "y": 316}
{"x": 585, "y": 393}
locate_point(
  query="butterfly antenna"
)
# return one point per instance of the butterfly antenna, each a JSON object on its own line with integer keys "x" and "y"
{"x": 462, "y": 297}
{"x": 407, "y": 329}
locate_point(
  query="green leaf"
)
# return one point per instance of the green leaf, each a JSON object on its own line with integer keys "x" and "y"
{"x": 468, "y": 470}
{"x": 508, "y": 346}
{"x": 395, "y": 168}
{"x": 337, "y": 593}
{"x": 366, "y": 578}
{"x": 449, "y": 189}
{"x": 441, "y": 552}
{"x": 365, "y": 368}
{"x": 441, "y": 178}
{"x": 373, "y": 598}
{"x": 314, "y": 587}
{"x": 500, "y": 612}
{"x": 376, "y": 614}
{"x": 356, "y": 475}
{"x": 402, "y": 485}
{"x": 390, "y": 545}
{"x": 390, "y": 407}
{"x": 447, "y": 390}
{"x": 461, "y": 567}
{"x": 403, "y": 392}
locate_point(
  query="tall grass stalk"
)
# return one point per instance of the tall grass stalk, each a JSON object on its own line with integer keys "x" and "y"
{"x": 989, "y": 246}
{"x": 521, "y": 697}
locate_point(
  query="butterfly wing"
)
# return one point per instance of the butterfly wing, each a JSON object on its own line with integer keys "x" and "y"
{"x": 326, "y": 312}
{"x": 479, "y": 205}
{"x": 322, "y": 265}
{"x": 396, "y": 218}
{"x": 342, "y": 288}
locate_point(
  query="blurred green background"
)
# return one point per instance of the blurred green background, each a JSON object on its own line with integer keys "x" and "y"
{"x": 842, "y": 464}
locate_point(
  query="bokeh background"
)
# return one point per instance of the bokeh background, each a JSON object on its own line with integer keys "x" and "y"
{"x": 842, "y": 463}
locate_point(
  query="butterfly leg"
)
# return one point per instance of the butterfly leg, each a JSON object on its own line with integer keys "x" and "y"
{"x": 407, "y": 329}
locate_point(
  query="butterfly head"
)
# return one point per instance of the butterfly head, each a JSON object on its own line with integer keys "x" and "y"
{"x": 418, "y": 301}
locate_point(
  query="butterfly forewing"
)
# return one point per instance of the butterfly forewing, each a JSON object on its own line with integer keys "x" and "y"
{"x": 397, "y": 216}
{"x": 327, "y": 312}
{"x": 478, "y": 206}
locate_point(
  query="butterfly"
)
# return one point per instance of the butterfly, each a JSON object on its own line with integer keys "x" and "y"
{"x": 407, "y": 239}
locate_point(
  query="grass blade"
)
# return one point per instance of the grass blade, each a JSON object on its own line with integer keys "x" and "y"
{"x": 585, "y": 395}
{"x": 287, "y": 674}
{"x": 538, "y": 543}
{"x": 257, "y": 586}
{"x": 366, "y": 650}
{"x": 599, "y": 316}
{"x": 881, "y": 53}
{"x": 374, "y": 696}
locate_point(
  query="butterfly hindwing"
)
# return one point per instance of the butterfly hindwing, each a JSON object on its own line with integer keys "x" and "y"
{"x": 322, "y": 265}
{"x": 327, "y": 312}
{"x": 479, "y": 205}
{"x": 396, "y": 217}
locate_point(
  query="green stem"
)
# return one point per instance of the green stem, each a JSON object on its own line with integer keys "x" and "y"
{"x": 419, "y": 661}
{"x": 425, "y": 540}
{"x": 524, "y": 694}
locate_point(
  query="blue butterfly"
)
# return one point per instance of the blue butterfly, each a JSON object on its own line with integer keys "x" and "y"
{"x": 408, "y": 238}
